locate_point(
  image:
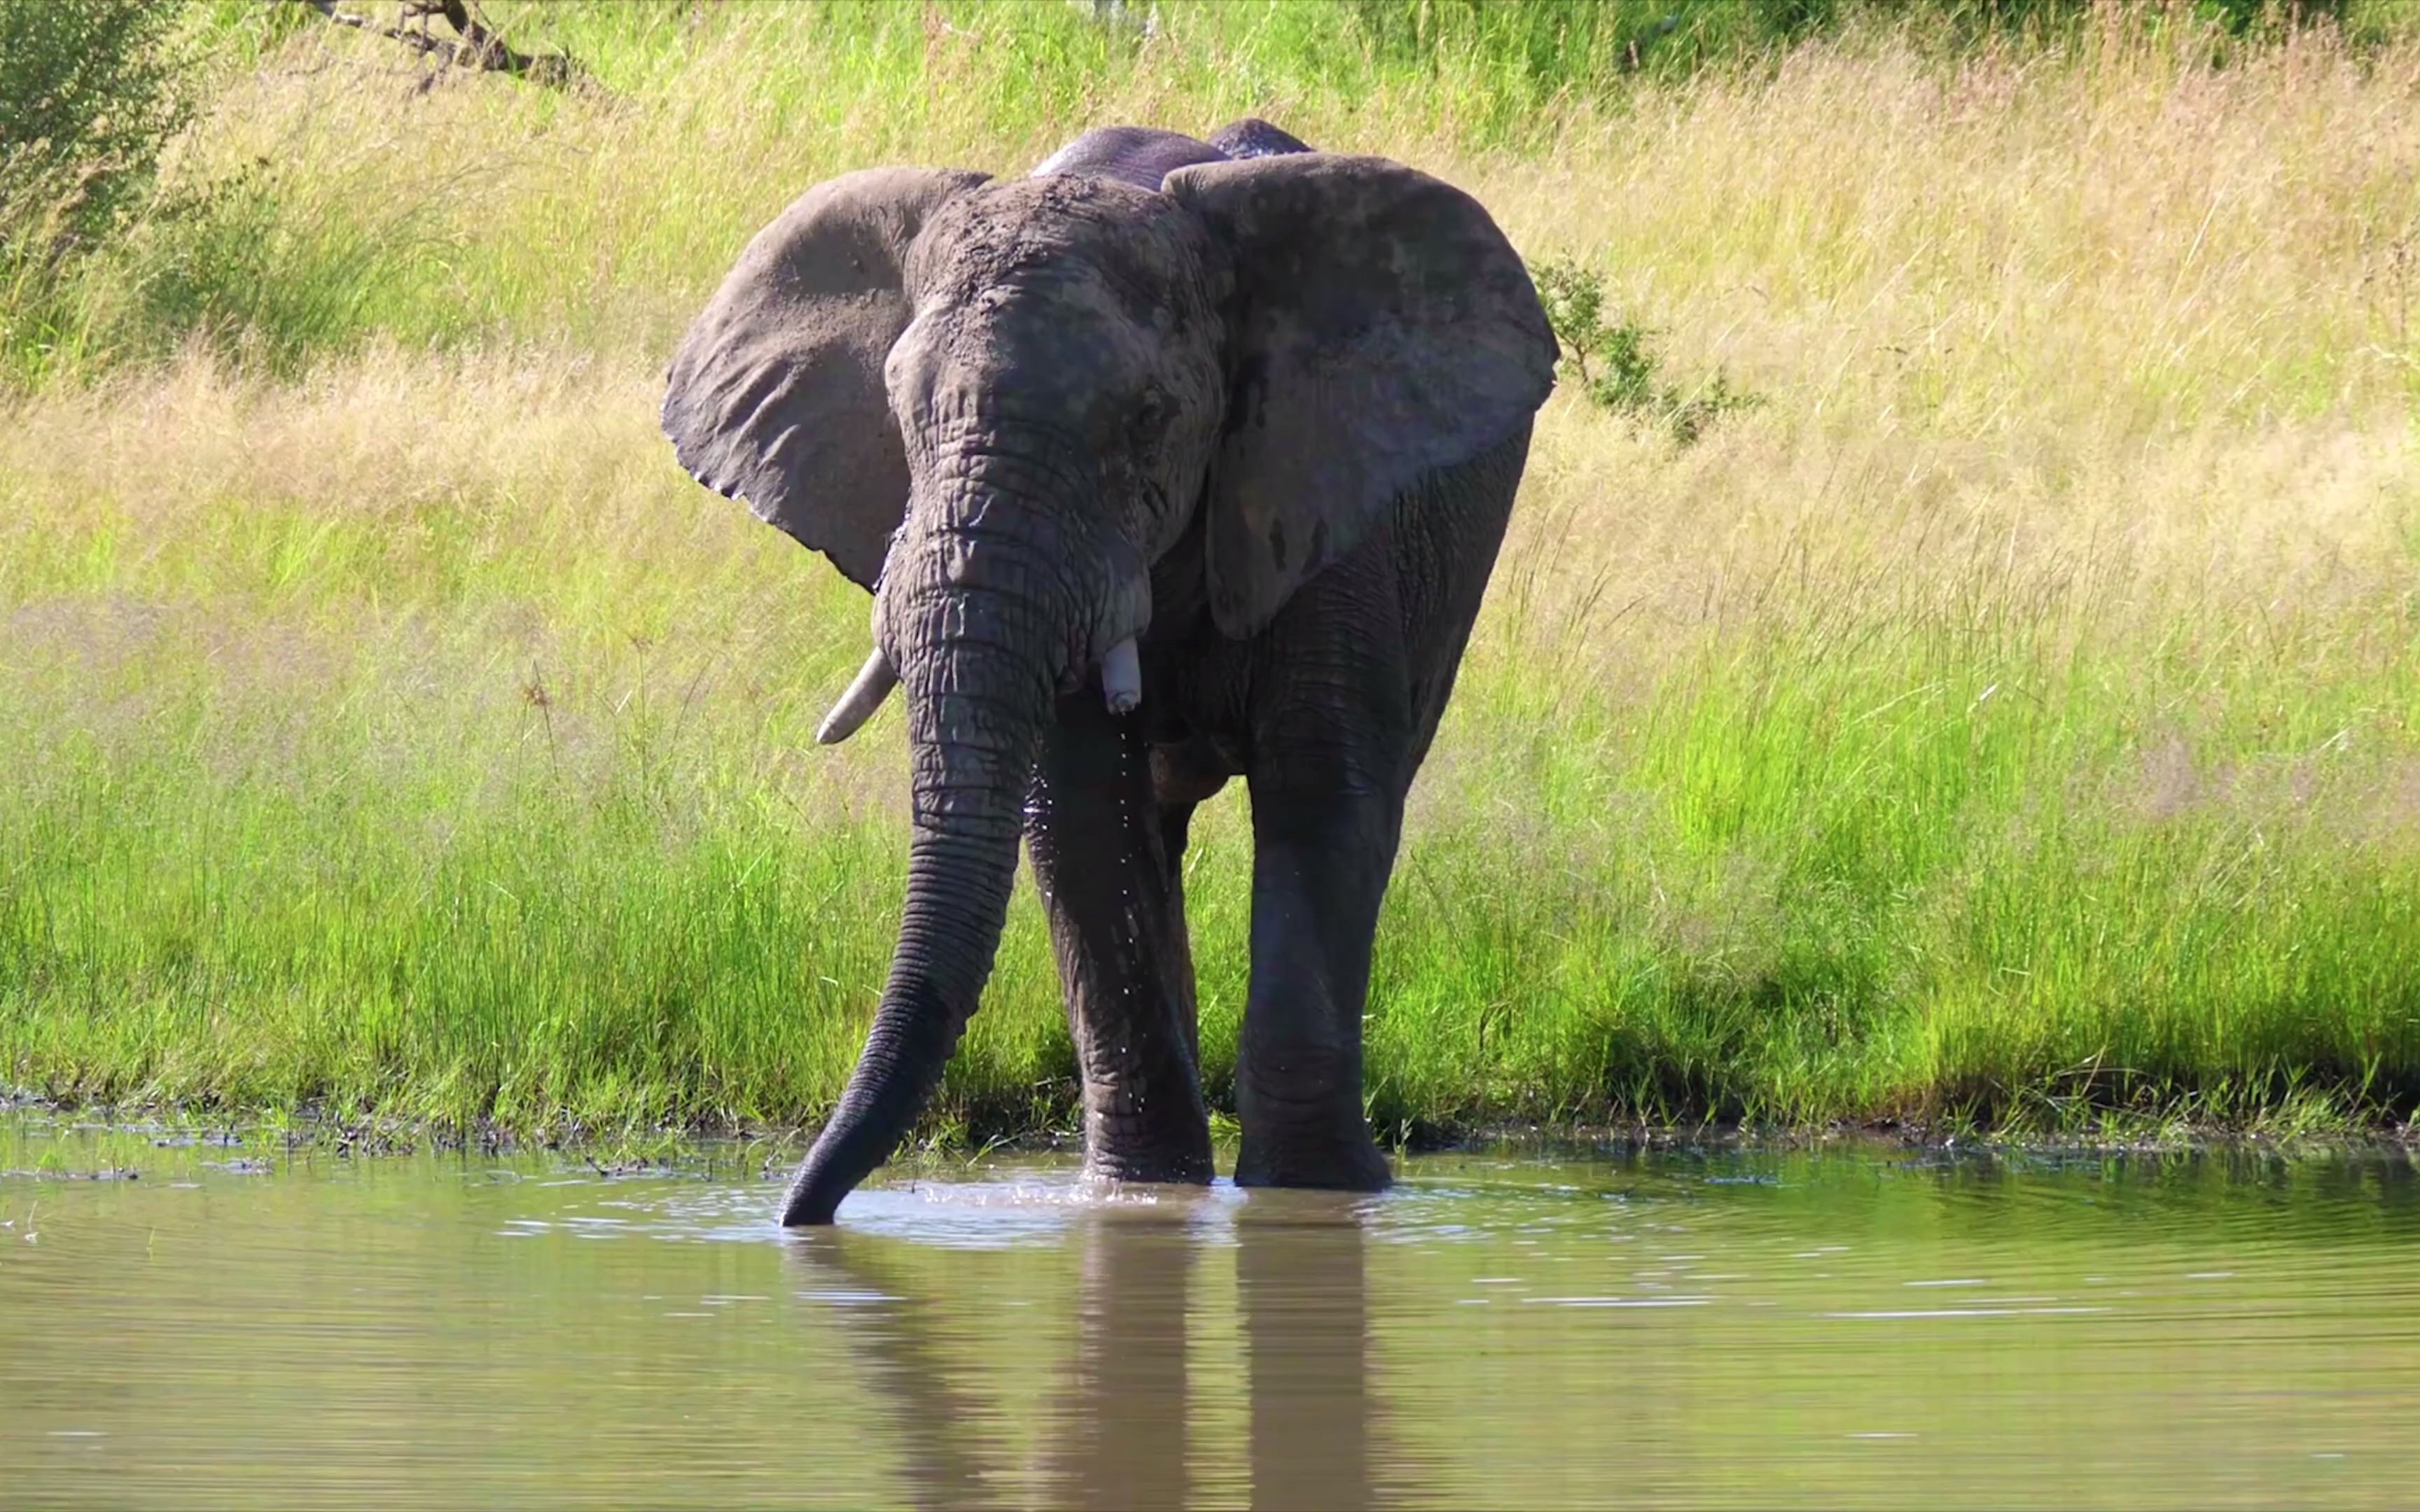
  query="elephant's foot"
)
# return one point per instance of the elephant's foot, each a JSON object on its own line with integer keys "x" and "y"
{"x": 1168, "y": 1167}
{"x": 1175, "y": 1150}
{"x": 1328, "y": 1158}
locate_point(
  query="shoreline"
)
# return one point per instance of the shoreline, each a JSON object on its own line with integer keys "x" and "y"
{"x": 314, "y": 1129}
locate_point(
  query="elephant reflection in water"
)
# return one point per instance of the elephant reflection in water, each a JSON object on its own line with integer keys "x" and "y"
{"x": 1122, "y": 1438}
{"x": 1299, "y": 1271}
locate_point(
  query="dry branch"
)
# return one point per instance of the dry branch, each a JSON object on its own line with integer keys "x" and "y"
{"x": 475, "y": 45}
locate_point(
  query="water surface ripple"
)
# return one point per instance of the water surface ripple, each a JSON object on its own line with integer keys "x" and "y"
{"x": 1868, "y": 1327}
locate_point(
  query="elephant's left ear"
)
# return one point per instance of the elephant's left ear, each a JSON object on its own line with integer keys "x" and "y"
{"x": 1382, "y": 328}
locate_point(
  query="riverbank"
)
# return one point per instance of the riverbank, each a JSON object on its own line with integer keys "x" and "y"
{"x": 2012, "y": 721}
{"x": 122, "y": 1135}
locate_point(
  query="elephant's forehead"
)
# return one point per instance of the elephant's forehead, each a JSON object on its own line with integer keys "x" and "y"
{"x": 1089, "y": 238}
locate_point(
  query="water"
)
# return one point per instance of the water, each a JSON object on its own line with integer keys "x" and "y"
{"x": 1866, "y": 1327}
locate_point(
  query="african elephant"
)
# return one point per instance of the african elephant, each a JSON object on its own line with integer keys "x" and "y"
{"x": 1163, "y": 466}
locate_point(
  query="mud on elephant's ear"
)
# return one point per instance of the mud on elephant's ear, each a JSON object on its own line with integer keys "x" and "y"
{"x": 1382, "y": 328}
{"x": 775, "y": 393}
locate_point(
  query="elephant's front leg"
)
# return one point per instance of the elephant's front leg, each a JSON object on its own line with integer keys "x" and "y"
{"x": 1320, "y": 857}
{"x": 1101, "y": 845}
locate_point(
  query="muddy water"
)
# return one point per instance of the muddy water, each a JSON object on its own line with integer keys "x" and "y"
{"x": 1870, "y": 1327}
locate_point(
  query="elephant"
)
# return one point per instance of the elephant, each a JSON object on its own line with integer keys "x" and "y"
{"x": 1167, "y": 463}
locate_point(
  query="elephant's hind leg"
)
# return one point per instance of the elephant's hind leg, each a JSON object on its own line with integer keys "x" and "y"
{"x": 1102, "y": 857}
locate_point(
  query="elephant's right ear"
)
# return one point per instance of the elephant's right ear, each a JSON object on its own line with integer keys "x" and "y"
{"x": 776, "y": 395}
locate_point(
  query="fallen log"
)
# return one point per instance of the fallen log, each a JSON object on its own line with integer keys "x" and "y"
{"x": 474, "y": 44}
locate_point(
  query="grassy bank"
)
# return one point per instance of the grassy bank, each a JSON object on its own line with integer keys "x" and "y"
{"x": 2015, "y": 715}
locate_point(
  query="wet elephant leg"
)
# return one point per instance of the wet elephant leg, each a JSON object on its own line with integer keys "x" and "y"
{"x": 1319, "y": 872}
{"x": 1110, "y": 883}
{"x": 1332, "y": 727}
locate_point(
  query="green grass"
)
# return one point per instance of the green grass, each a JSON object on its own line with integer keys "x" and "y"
{"x": 2011, "y": 720}
{"x": 333, "y": 198}
{"x": 287, "y": 848}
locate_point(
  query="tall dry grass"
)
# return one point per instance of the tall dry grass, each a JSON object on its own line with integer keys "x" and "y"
{"x": 2012, "y": 717}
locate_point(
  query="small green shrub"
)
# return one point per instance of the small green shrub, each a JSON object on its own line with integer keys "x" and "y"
{"x": 1614, "y": 366}
{"x": 90, "y": 92}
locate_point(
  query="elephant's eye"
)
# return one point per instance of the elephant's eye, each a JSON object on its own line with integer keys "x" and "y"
{"x": 1151, "y": 410}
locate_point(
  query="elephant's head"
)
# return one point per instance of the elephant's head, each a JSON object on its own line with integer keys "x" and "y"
{"x": 998, "y": 405}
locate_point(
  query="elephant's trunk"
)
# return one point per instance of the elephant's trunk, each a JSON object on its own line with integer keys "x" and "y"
{"x": 978, "y": 692}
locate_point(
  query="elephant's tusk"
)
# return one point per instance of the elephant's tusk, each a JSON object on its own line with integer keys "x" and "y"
{"x": 1122, "y": 677}
{"x": 874, "y": 681}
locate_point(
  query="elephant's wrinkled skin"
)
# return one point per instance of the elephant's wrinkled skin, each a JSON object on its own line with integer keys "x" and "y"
{"x": 1245, "y": 426}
